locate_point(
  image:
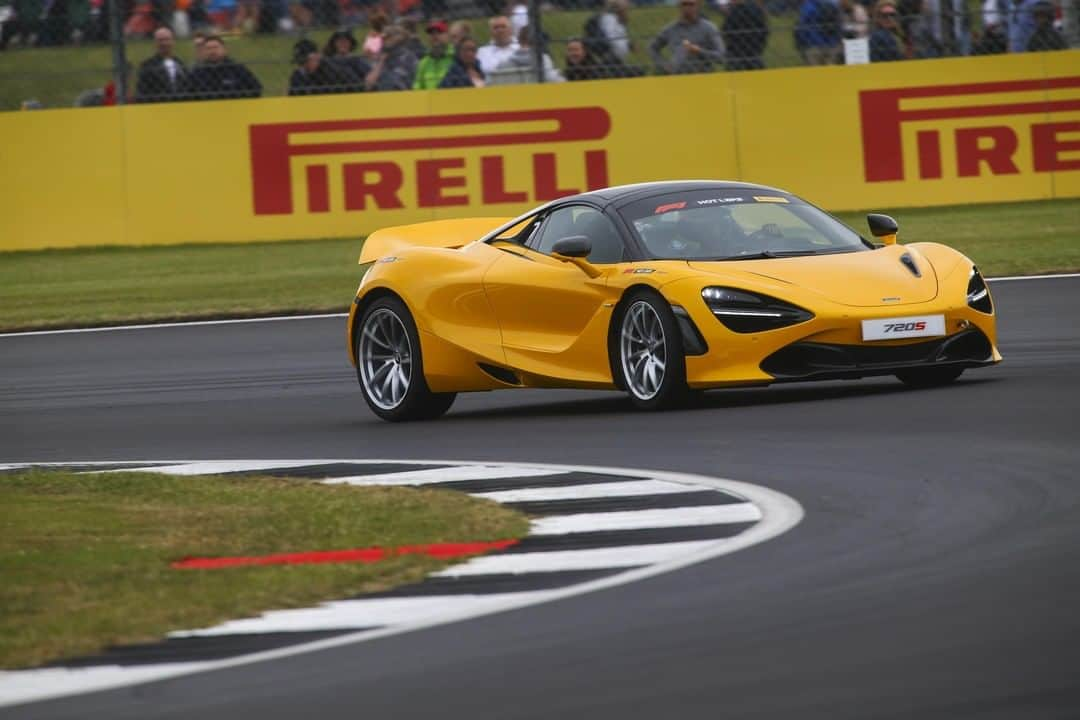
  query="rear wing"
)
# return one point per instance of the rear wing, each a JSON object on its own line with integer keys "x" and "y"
{"x": 436, "y": 233}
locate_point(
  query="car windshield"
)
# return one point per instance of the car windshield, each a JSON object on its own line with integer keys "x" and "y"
{"x": 736, "y": 224}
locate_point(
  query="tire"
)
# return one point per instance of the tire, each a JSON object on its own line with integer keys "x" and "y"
{"x": 390, "y": 367}
{"x": 647, "y": 352}
{"x": 929, "y": 377}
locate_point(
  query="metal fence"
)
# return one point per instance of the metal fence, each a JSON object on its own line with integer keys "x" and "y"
{"x": 60, "y": 53}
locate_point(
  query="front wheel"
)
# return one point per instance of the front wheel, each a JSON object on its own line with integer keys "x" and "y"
{"x": 390, "y": 366}
{"x": 649, "y": 354}
{"x": 929, "y": 377}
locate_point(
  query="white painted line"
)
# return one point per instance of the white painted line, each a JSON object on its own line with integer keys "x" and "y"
{"x": 626, "y": 556}
{"x": 779, "y": 513}
{"x": 442, "y": 475}
{"x": 1033, "y": 277}
{"x": 595, "y": 490}
{"x": 31, "y": 685}
{"x": 375, "y": 613}
{"x": 187, "y": 323}
{"x": 322, "y": 316}
{"x": 222, "y": 466}
{"x": 643, "y": 519}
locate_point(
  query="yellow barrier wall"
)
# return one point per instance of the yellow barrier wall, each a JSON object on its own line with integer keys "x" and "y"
{"x": 899, "y": 134}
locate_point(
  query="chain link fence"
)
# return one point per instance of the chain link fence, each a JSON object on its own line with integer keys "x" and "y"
{"x": 64, "y": 53}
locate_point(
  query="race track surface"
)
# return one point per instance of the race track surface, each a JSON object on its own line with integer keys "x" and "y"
{"x": 936, "y": 573}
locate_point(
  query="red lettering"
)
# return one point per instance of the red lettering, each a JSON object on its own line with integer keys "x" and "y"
{"x": 493, "y": 182}
{"x": 430, "y": 182}
{"x": 929, "y": 142}
{"x": 546, "y": 182}
{"x": 882, "y": 116}
{"x": 970, "y": 152}
{"x": 318, "y": 189}
{"x": 1046, "y": 149}
{"x": 596, "y": 169}
{"x": 383, "y": 190}
{"x": 273, "y": 145}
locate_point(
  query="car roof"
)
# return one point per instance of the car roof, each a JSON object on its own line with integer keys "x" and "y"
{"x": 626, "y": 193}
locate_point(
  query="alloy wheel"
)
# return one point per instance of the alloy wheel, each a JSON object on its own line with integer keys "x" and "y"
{"x": 385, "y": 358}
{"x": 643, "y": 350}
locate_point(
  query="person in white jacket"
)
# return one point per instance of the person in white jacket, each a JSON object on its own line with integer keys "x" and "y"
{"x": 502, "y": 44}
{"x": 524, "y": 58}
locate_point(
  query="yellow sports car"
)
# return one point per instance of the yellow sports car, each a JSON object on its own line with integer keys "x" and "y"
{"x": 657, "y": 289}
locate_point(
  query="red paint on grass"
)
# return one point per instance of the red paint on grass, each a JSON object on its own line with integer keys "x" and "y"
{"x": 362, "y": 555}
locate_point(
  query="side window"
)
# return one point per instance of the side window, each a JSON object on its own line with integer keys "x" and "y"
{"x": 607, "y": 246}
{"x": 519, "y": 232}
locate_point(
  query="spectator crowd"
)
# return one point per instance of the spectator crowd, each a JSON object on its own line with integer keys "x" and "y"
{"x": 410, "y": 52}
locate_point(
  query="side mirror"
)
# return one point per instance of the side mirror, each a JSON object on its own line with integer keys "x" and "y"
{"x": 575, "y": 246}
{"x": 882, "y": 226}
{"x": 574, "y": 250}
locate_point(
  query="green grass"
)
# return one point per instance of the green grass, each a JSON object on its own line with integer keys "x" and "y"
{"x": 40, "y": 288}
{"x": 1008, "y": 239}
{"x": 85, "y": 559}
{"x": 56, "y": 288}
{"x": 55, "y": 76}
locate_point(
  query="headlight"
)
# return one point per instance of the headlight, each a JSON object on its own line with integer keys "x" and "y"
{"x": 745, "y": 312}
{"x": 978, "y": 295}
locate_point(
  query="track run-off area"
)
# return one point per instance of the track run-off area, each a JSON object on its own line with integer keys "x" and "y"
{"x": 935, "y": 573}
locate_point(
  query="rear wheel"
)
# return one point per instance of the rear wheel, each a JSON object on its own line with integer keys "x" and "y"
{"x": 929, "y": 377}
{"x": 390, "y": 367}
{"x": 649, "y": 354}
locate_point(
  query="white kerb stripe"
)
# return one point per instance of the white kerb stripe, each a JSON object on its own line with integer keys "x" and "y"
{"x": 641, "y": 519}
{"x": 346, "y": 614}
{"x": 593, "y": 490}
{"x": 441, "y": 475}
{"x": 592, "y": 559}
{"x": 224, "y": 466}
{"x": 29, "y": 685}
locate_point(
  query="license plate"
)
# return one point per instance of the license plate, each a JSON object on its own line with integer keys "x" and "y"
{"x": 903, "y": 327}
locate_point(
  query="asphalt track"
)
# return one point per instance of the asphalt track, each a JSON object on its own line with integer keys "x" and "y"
{"x": 936, "y": 573}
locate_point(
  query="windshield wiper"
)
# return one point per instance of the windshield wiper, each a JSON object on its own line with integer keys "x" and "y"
{"x": 783, "y": 254}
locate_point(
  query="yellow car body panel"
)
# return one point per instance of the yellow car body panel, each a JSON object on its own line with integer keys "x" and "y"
{"x": 452, "y": 233}
{"x": 491, "y": 306}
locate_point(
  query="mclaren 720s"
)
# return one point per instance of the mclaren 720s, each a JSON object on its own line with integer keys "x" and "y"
{"x": 659, "y": 290}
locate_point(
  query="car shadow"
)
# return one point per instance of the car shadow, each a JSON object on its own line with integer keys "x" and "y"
{"x": 619, "y": 403}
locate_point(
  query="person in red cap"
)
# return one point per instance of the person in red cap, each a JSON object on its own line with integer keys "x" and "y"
{"x": 433, "y": 66}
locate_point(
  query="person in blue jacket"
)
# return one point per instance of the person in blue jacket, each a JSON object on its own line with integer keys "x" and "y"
{"x": 466, "y": 70}
{"x": 818, "y": 32}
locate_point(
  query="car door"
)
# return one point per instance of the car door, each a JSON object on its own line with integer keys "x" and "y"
{"x": 552, "y": 315}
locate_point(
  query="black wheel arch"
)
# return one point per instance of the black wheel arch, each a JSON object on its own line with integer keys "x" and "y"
{"x": 362, "y": 304}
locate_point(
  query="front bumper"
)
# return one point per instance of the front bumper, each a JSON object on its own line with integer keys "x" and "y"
{"x": 827, "y": 361}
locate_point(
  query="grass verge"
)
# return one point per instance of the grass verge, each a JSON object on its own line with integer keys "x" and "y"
{"x": 85, "y": 558}
{"x": 64, "y": 288}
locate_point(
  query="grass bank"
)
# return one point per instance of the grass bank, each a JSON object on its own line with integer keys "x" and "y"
{"x": 58, "y": 288}
{"x": 85, "y": 559}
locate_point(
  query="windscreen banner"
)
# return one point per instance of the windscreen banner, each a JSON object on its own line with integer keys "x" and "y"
{"x": 904, "y": 134}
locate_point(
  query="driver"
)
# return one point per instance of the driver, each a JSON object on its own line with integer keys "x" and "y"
{"x": 711, "y": 232}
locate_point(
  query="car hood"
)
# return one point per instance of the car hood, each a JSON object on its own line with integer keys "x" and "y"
{"x": 861, "y": 279}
